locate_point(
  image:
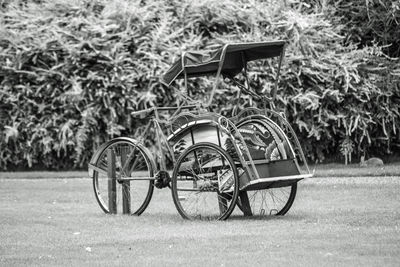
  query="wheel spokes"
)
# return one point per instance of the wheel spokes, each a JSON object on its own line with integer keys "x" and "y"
{"x": 198, "y": 184}
{"x": 132, "y": 196}
{"x": 270, "y": 201}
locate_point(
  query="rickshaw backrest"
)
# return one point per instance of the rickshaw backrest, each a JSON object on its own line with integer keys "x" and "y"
{"x": 196, "y": 131}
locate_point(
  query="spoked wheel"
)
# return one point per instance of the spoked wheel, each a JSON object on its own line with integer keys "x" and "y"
{"x": 266, "y": 142}
{"x": 134, "y": 171}
{"x": 205, "y": 183}
{"x": 272, "y": 201}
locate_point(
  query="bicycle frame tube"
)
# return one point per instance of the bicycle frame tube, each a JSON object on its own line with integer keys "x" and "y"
{"x": 160, "y": 139}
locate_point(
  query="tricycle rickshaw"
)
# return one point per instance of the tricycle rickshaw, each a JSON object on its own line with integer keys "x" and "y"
{"x": 252, "y": 159}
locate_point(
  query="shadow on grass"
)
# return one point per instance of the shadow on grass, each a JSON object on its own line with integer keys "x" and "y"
{"x": 176, "y": 218}
{"x": 288, "y": 217}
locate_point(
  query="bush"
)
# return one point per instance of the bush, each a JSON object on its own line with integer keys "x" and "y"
{"x": 72, "y": 71}
{"x": 369, "y": 22}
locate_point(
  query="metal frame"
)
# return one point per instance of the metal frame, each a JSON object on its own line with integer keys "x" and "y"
{"x": 197, "y": 116}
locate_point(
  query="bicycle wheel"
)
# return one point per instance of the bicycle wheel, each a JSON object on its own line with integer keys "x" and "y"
{"x": 271, "y": 201}
{"x": 134, "y": 170}
{"x": 205, "y": 183}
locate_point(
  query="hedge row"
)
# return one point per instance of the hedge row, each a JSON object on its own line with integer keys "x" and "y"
{"x": 71, "y": 72}
{"x": 370, "y": 21}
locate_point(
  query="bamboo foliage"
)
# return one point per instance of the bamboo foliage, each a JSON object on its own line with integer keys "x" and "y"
{"x": 72, "y": 71}
{"x": 371, "y": 21}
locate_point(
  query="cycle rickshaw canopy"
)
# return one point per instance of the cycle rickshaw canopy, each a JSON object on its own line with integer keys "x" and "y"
{"x": 229, "y": 59}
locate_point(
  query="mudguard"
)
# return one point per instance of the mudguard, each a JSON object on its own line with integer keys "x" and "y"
{"x": 270, "y": 133}
{"x": 202, "y": 130}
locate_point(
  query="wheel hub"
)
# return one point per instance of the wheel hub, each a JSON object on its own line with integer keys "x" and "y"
{"x": 162, "y": 179}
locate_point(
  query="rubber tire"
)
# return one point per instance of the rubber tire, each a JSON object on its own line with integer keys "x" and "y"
{"x": 98, "y": 154}
{"x": 290, "y": 201}
{"x": 293, "y": 190}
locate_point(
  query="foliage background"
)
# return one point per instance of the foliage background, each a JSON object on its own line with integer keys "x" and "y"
{"x": 72, "y": 71}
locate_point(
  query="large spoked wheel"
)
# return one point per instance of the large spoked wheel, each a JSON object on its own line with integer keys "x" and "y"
{"x": 271, "y": 201}
{"x": 134, "y": 171}
{"x": 205, "y": 183}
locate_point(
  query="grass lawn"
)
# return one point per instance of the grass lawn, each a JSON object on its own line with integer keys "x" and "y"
{"x": 320, "y": 170}
{"x": 338, "y": 221}
{"x": 354, "y": 170}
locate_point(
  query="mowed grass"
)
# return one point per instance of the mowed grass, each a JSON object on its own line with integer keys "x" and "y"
{"x": 336, "y": 221}
{"x": 320, "y": 170}
{"x": 354, "y": 170}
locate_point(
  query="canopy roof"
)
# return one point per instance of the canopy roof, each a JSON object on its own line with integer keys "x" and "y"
{"x": 233, "y": 58}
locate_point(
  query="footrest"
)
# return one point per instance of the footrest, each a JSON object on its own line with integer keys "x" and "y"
{"x": 272, "y": 182}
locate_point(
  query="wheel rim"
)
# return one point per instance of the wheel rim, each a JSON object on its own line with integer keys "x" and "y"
{"x": 270, "y": 201}
{"x": 130, "y": 161}
{"x": 205, "y": 183}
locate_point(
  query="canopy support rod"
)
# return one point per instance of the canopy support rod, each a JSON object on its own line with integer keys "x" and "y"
{"x": 220, "y": 65}
{"x": 277, "y": 75}
{"x": 244, "y": 62}
{"x": 185, "y": 74}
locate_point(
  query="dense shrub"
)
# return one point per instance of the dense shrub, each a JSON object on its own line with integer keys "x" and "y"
{"x": 370, "y": 21}
{"x": 71, "y": 72}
